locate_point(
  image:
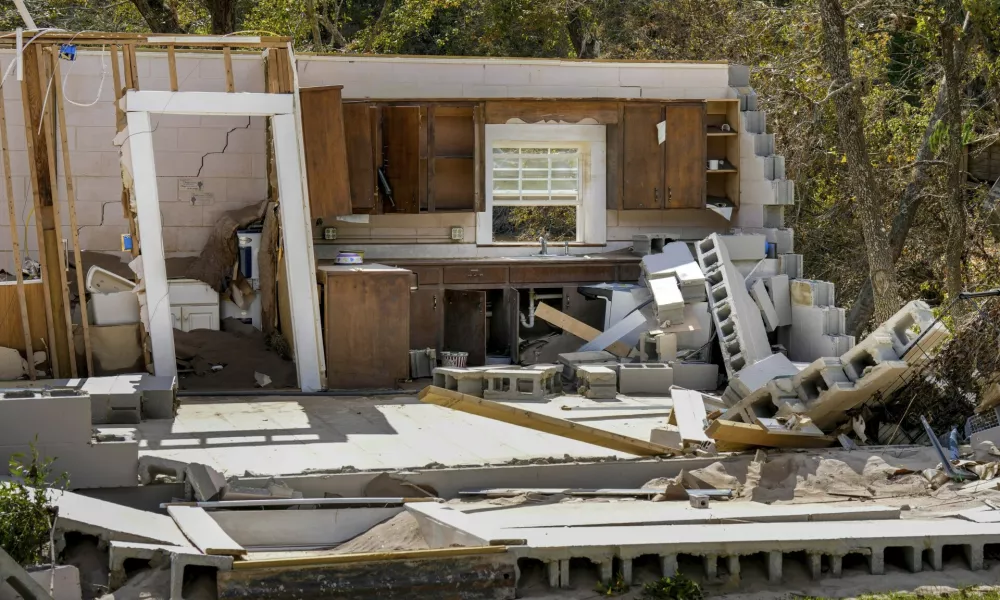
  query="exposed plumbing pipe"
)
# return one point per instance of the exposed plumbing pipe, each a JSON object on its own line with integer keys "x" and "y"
{"x": 529, "y": 321}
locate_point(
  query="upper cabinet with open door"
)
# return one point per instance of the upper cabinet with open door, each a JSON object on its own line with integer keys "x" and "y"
{"x": 323, "y": 141}
{"x": 642, "y": 157}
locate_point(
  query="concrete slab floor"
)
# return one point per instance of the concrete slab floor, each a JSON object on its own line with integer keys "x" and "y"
{"x": 289, "y": 435}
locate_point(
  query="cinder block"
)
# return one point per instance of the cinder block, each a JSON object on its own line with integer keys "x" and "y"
{"x": 756, "y": 376}
{"x": 811, "y": 292}
{"x": 774, "y": 216}
{"x": 779, "y": 288}
{"x": 645, "y": 378}
{"x": 207, "y": 484}
{"x": 597, "y": 382}
{"x": 514, "y": 384}
{"x": 791, "y": 265}
{"x": 668, "y": 300}
{"x": 739, "y": 76}
{"x": 54, "y": 416}
{"x": 696, "y": 376}
{"x": 821, "y": 375}
{"x": 152, "y": 466}
{"x": 875, "y": 349}
{"x": 745, "y": 247}
{"x": 691, "y": 340}
{"x": 466, "y": 381}
{"x": 89, "y": 465}
{"x": 158, "y": 396}
{"x": 759, "y": 293}
{"x": 178, "y": 557}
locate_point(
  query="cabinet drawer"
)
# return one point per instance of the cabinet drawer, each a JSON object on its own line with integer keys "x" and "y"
{"x": 475, "y": 274}
{"x": 426, "y": 275}
{"x": 562, "y": 273}
{"x": 629, "y": 273}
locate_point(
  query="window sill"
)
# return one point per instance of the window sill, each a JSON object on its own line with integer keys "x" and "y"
{"x": 552, "y": 245}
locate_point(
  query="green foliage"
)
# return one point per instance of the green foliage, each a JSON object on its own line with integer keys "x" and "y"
{"x": 24, "y": 515}
{"x": 677, "y": 587}
{"x": 616, "y": 587}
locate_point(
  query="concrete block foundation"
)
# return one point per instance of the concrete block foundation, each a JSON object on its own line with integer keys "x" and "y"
{"x": 645, "y": 378}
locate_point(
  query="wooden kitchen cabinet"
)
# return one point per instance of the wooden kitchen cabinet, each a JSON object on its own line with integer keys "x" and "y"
{"x": 642, "y": 157}
{"x": 667, "y": 175}
{"x": 324, "y": 146}
{"x": 685, "y": 155}
{"x": 360, "y": 135}
{"x": 465, "y": 324}
{"x": 426, "y": 318}
{"x": 401, "y": 148}
{"x": 366, "y": 314}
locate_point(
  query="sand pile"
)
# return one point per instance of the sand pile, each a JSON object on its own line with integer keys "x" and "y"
{"x": 398, "y": 533}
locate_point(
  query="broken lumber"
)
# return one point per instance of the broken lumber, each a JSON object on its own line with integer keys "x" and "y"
{"x": 578, "y": 328}
{"x": 539, "y": 422}
{"x": 734, "y": 434}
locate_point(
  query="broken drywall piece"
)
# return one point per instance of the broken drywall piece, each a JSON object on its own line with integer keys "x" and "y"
{"x": 779, "y": 289}
{"x": 689, "y": 415}
{"x": 624, "y": 327}
{"x": 11, "y": 364}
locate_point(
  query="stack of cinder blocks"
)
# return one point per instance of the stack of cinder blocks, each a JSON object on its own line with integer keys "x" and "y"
{"x": 58, "y": 423}
{"x": 501, "y": 383}
{"x": 738, "y": 322}
{"x": 818, "y": 326}
{"x": 117, "y": 399}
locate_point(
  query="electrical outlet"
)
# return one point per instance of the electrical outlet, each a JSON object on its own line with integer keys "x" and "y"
{"x": 457, "y": 233}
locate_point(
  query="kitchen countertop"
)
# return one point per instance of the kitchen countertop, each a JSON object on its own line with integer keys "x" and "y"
{"x": 605, "y": 257}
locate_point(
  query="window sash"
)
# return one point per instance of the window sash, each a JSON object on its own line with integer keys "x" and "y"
{"x": 561, "y": 169}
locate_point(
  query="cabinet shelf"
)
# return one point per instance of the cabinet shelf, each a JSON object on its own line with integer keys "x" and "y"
{"x": 725, "y": 170}
{"x": 715, "y": 131}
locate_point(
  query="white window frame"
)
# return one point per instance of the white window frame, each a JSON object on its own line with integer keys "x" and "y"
{"x": 592, "y": 142}
{"x": 296, "y": 235}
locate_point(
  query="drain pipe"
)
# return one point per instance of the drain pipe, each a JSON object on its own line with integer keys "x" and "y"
{"x": 529, "y": 321}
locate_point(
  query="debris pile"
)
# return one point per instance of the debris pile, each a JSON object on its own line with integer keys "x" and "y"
{"x": 746, "y": 352}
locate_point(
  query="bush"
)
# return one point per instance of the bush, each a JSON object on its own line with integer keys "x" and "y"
{"x": 677, "y": 587}
{"x": 24, "y": 513}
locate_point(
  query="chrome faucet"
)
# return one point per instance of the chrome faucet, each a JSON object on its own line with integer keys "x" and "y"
{"x": 545, "y": 245}
{"x": 566, "y": 247}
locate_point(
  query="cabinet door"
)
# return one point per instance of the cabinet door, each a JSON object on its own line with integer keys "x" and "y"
{"x": 401, "y": 142}
{"x": 465, "y": 324}
{"x": 199, "y": 317}
{"x": 323, "y": 144}
{"x": 426, "y": 307}
{"x": 686, "y": 152}
{"x": 358, "y": 126}
{"x": 642, "y": 157}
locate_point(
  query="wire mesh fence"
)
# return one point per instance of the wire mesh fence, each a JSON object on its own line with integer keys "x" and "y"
{"x": 954, "y": 385}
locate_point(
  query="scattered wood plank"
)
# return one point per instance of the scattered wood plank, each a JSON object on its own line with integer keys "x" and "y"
{"x": 578, "y": 328}
{"x": 227, "y": 56}
{"x": 689, "y": 415}
{"x": 745, "y": 435}
{"x": 74, "y": 229}
{"x": 14, "y": 238}
{"x": 172, "y": 67}
{"x": 204, "y": 532}
{"x": 539, "y": 422}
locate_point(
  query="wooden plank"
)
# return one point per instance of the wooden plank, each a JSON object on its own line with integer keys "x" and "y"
{"x": 735, "y": 434}
{"x": 227, "y": 59}
{"x": 642, "y": 158}
{"x": 323, "y": 141}
{"x": 204, "y": 532}
{"x": 22, "y": 300}
{"x": 172, "y": 67}
{"x": 689, "y": 415}
{"x": 71, "y": 207}
{"x": 31, "y": 102}
{"x": 54, "y": 234}
{"x": 539, "y": 422}
{"x": 579, "y": 329}
{"x": 563, "y": 111}
{"x": 135, "y": 67}
{"x": 13, "y": 332}
{"x": 116, "y": 82}
{"x": 685, "y": 149}
{"x": 425, "y": 167}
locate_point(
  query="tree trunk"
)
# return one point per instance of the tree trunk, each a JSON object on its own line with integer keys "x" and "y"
{"x": 864, "y": 305}
{"x": 952, "y": 153}
{"x": 314, "y": 24}
{"x": 850, "y": 126}
{"x": 223, "y": 16}
{"x": 586, "y": 45}
{"x": 158, "y": 16}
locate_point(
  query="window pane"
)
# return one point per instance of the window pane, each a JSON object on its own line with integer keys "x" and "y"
{"x": 535, "y": 163}
{"x": 505, "y": 163}
{"x": 506, "y": 150}
{"x": 505, "y": 173}
{"x": 505, "y": 184}
{"x": 564, "y": 174}
{"x": 564, "y": 184}
{"x": 564, "y": 163}
{"x": 527, "y": 223}
{"x": 535, "y": 174}
{"x": 534, "y": 150}
{"x": 564, "y": 151}
{"x": 535, "y": 184}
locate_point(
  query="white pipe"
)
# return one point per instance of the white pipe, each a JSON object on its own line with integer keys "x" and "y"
{"x": 529, "y": 322}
